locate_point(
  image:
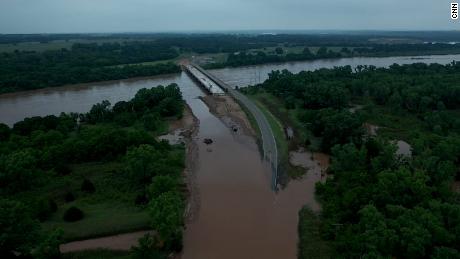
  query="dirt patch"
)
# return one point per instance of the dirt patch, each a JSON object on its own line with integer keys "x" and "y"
{"x": 230, "y": 112}
{"x": 371, "y": 129}
{"x": 116, "y": 242}
{"x": 181, "y": 130}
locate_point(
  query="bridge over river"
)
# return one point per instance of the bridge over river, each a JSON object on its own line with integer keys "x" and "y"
{"x": 270, "y": 151}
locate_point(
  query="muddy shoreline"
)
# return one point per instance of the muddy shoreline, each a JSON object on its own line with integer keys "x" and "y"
{"x": 230, "y": 112}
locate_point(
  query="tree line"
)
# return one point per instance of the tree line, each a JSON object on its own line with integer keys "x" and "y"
{"x": 111, "y": 58}
{"x": 89, "y": 62}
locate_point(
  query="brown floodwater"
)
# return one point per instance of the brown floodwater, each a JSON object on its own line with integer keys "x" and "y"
{"x": 236, "y": 213}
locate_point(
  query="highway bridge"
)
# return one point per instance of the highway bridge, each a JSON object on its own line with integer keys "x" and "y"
{"x": 203, "y": 80}
{"x": 270, "y": 151}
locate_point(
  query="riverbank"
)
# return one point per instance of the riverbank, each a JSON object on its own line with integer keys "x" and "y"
{"x": 280, "y": 59}
{"x": 231, "y": 113}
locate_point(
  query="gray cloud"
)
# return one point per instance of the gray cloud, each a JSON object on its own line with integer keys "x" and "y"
{"x": 37, "y": 16}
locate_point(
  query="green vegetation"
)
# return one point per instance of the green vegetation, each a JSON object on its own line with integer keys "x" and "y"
{"x": 378, "y": 204}
{"x": 244, "y": 58}
{"x": 65, "y": 180}
{"x": 282, "y": 143}
{"x": 82, "y": 63}
{"x": 310, "y": 244}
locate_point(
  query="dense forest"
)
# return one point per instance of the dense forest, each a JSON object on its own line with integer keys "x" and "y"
{"x": 89, "y": 62}
{"x": 70, "y": 169}
{"x": 378, "y": 203}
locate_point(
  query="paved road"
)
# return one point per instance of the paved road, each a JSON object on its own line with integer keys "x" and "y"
{"x": 268, "y": 140}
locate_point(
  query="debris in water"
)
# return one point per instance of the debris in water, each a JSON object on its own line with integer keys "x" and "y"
{"x": 208, "y": 141}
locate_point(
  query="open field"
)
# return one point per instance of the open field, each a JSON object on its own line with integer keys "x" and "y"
{"x": 53, "y": 45}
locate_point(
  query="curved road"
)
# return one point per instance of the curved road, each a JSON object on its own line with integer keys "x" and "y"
{"x": 268, "y": 140}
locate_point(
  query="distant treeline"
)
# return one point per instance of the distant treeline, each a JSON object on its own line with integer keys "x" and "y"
{"x": 26, "y": 70}
{"x": 244, "y": 58}
{"x": 260, "y": 57}
{"x": 110, "y": 58}
{"x": 254, "y": 36}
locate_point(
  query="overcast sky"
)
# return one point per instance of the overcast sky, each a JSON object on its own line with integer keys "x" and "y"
{"x": 56, "y": 16}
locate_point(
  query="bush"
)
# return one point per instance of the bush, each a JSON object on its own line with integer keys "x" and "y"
{"x": 151, "y": 121}
{"x": 87, "y": 186}
{"x": 161, "y": 184}
{"x": 53, "y": 206}
{"x": 148, "y": 247}
{"x": 44, "y": 209}
{"x": 141, "y": 199}
{"x": 62, "y": 169}
{"x": 73, "y": 214}
{"x": 69, "y": 197}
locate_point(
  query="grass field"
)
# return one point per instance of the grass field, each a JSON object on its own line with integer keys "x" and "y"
{"x": 282, "y": 143}
{"x": 109, "y": 210}
{"x": 53, "y": 45}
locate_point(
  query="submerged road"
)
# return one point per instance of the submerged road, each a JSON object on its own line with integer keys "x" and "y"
{"x": 268, "y": 139}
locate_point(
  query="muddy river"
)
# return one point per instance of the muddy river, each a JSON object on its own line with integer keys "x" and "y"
{"x": 235, "y": 213}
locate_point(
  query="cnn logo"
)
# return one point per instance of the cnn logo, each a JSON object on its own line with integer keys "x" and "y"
{"x": 454, "y": 11}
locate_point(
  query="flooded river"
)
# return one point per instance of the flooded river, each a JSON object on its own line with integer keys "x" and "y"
{"x": 80, "y": 98}
{"x": 237, "y": 214}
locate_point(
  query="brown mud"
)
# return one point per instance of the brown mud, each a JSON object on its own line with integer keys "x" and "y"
{"x": 227, "y": 109}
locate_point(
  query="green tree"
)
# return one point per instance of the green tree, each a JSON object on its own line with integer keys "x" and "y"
{"x": 279, "y": 50}
{"x": 18, "y": 171}
{"x": 5, "y": 132}
{"x": 19, "y": 232}
{"x": 162, "y": 184}
{"x": 166, "y": 212}
{"x": 49, "y": 247}
{"x": 148, "y": 248}
{"x": 139, "y": 164}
